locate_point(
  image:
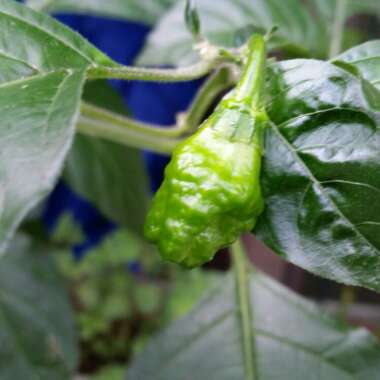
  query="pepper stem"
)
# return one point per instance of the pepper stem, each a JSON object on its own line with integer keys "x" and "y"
{"x": 249, "y": 90}
{"x": 244, "y": 300}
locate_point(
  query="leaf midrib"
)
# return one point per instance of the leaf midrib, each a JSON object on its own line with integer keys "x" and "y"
{"x": 321, "y": 111}
{"x": 40, "y": 75}
{"x": 364, "y": 59}
{"x": 48, "y": 32}
{"x": 261, "y": 332}
{"x": 305, "y": 349}
{"x": 11, "y": 57}
{"x": 309, "y": 313}
{"x": 319, "y": 185}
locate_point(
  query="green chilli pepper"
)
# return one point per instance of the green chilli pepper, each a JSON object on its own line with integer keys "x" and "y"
{"x": 211, "y": 190}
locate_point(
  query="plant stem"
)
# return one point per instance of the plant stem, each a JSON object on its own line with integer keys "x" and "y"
{"x": 243, "y": 294}
{"x": 250, "y": 87}
{"x": 347, "y": 298}
{"x": 338, "y": 28}
{"x": 181, "y": 74}
{"x": 214, "y": 86}
{"x": 97, "y": 121}
{"x": 122, "y": 135}
{"x": 90, "y": 111}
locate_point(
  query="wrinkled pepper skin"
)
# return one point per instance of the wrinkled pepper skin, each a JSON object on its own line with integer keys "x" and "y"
{"x": 211, "y": 190}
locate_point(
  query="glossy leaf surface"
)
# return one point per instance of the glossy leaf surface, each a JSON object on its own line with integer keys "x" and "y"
{"x": 37, "y": 335}
{"x": 321, "y": 173}
{"x": 171, "y": 42}
{"x": 366, "y": 58}
{"x": 147, "y": 11}
{"x": 42, "y": 69}
{"x": 293, "y": 340}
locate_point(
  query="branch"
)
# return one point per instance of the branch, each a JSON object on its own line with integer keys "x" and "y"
{"x": 97, "y": 121}
{"x": 122, "y": 135}
{"x": 338, "y": 28}
{"x": 90, "y": 111}
{"x": 181, "y": 74}
{"x": 220, "y": 81}
{"x": 243, "y": 295}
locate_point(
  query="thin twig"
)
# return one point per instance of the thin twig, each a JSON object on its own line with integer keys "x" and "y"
{"x": 122, "y": 135}
{"x": 180, "y": 74}
{"x": 244, "y": 302}
{"x": 338, "y": 28}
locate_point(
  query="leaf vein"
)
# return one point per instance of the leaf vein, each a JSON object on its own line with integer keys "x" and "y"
{"x": 321, "y": 188}
{"x": 48, "y": 32}
{"x": 353, "y": 183}
{"x": 317, "y": 113}
{"x": 306, "y": 349}
{"x": 13, "y": 58}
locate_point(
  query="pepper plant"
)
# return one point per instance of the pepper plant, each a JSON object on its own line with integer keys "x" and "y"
{"x": 290, "y": 152}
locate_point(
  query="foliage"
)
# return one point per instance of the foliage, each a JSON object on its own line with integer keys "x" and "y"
{"x": 324, "y": 130}
{"x": 320, "y": 181}
{"x": 131, "y": 304}
{"x": 295, "y": 333}
{"x": 40, "y": 94}
{"x": 32, "y": 303}
{"x": 94, "y": 166}
{"x": 293, "y": 34}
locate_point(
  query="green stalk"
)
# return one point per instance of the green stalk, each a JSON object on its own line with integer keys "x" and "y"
{"x": 338, "y": 28}
{"x": 347, "y": 298}
{"x": 122, "y": 135}
{"x": 218, "y": 82}
{"x": 181, "y": 74}
{"x": 241, "y": 267}
{"x": 99, "y": 122}
{"x": 250, "y": 87}
{"x": 106, "y": 116}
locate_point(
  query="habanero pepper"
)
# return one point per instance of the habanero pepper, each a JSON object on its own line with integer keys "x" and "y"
{"x": 211, "y": 190}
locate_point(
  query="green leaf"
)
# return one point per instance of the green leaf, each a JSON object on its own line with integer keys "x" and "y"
{"x": 42, "y": 70}
{"x": 171, "y": 42}
{"x": 111, "y": 176}
{"x": 366, "y": 58}
{"x": 33, "y": 42}
{"x": 37, "y": 125}
{"x": 321, "y": 172}
{"x": 147, "y": 11}
{"x": 293, "y": 340}
{"x": 37, "y": 335}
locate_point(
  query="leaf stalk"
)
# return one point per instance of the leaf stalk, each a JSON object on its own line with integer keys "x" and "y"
{"x": 241, "y": 267}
